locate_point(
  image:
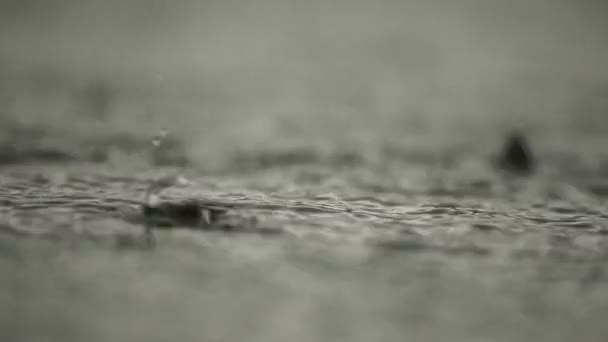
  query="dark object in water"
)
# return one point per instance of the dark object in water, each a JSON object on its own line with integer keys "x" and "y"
{"x": 516, "y": 155}
{"x": 187, "y": 213}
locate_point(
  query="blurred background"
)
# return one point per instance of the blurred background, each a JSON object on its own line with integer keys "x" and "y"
{"x": 235, "y": 75}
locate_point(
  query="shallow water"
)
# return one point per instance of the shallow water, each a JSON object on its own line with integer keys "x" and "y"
{"x": 342, "y": 250}
{"x": 354, "y": 146}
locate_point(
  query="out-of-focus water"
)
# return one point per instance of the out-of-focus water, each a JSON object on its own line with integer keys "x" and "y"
{"x": 383, "y": 244}
{"x": 360, "y": 140}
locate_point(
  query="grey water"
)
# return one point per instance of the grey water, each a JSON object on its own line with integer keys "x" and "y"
{"x": 354, "y": 145}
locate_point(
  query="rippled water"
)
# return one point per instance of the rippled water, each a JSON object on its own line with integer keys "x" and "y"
{"x": 353, "y": 145}
{"x": 341, "y": 249}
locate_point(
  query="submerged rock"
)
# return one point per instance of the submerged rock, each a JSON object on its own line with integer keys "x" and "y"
{"x": 187, "y": 213}
{"x": 516, "y": 155}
